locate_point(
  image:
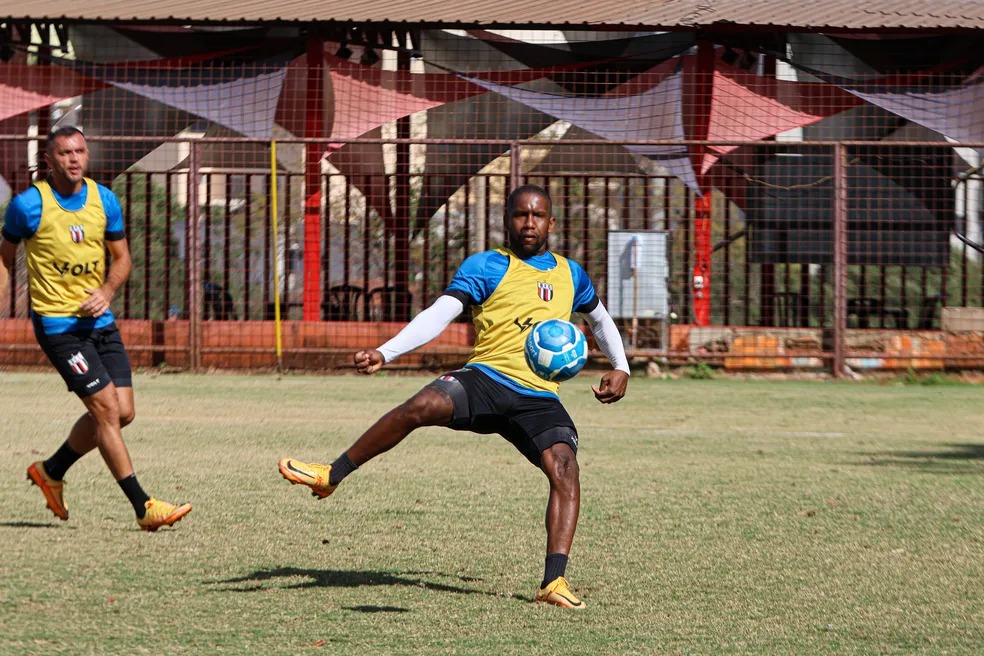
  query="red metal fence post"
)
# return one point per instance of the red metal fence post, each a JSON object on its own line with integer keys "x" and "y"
{"x": 313, "y": 128}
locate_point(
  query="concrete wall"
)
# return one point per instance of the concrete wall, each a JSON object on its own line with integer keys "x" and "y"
{"x": 753, "y": 348}
{"x": 330, "y": 345}
{"x": 250, "y": 345}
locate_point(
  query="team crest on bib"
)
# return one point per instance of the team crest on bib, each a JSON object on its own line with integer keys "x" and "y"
{"x": 544, "y": 290}
{"x": 78, "y": 363}
{"x": 77, "y": 232}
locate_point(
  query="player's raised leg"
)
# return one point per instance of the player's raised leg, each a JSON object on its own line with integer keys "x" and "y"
{"x": 428, "y": 407}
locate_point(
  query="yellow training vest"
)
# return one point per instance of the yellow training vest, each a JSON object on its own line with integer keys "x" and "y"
{"x": 66, "y": 255}
{"x": 525, "y": 296}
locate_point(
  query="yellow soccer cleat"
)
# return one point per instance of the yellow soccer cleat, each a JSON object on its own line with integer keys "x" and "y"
{"x": 558, "y": 593}
{"x": 161, "y": 513}
{"x": 51, "y": 488}
{"x": 313, "y": 475}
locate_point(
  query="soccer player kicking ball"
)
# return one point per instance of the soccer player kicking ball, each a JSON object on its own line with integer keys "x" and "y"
{"x": 511, "y": 289}
{"x": 66, "y": 224}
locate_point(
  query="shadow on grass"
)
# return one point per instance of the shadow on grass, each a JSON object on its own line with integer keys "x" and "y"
{"x": 33, "y": 525}
{"x": 376, "y": 609}
{"x": 957, "y": 460}
{"x": 331, "y": 578}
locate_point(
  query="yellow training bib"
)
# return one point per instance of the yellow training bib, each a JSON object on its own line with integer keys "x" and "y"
{"x": 525, "y": 296}
{"x": 66, "y": 255}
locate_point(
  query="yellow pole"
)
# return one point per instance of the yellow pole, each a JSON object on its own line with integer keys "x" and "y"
{"x": 276, "y": 251}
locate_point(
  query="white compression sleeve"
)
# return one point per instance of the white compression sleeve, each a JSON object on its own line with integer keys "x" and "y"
{"x": 423, "y": 328}
{"x": 606, "y": 334}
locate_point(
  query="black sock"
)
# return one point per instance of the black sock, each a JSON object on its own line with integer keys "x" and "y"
{"x": 58, "y": 464}
{"x": 341, "y": 468}
{"x": 555, "y": 566}
{"x": 131, "y": 488}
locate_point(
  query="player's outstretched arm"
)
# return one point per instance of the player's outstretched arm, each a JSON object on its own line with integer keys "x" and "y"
{"x": 614, "y": 383}
{"x": 423, "y": 328}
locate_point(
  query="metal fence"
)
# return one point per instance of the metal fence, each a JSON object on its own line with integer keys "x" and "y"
{"x": 818, "y": 236}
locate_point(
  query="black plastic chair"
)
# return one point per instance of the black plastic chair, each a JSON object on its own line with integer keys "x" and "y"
{"x": 382, "y": 302}
{"x": 927, "y": 311}
{"x": 866, "y": 309}
{"x": 217, "y": 302}
{"x": 343, "y": 303}
{"x": 862, "y": 309}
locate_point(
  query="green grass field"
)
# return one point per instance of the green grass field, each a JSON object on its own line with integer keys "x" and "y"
{"x": 719, "y": 517}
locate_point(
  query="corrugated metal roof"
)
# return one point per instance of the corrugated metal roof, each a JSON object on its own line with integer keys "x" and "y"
{"x": 829, "y": 15}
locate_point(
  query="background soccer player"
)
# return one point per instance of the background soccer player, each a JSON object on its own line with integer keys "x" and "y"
{"x": 496, "y": 392}
{"x": 66, "y": 223}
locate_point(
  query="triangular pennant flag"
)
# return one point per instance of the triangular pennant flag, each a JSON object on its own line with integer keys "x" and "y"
{"x": 953, "y": 112}
{"x": 746, "y": 106}
{"x": 360, "y": 106}
{"x": 653, "y": 115}
{"x": 245, "y": 104}
{"x": 24, "y": 88}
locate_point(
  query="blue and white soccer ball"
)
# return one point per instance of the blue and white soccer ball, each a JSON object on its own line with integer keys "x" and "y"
{"x": 556, "y": 350}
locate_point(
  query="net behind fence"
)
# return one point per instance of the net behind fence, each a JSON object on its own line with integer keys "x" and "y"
{"x": 758, "y": 206}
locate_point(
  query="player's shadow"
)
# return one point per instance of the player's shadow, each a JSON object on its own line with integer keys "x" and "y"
{"x": 34, "y": 525}
{"x": 333, "y": 578}
{"x": 957, "y": 459}
{"x": 376, "y": 609}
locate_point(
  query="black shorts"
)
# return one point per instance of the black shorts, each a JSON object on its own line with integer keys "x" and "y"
{"x": 88, "y": 360}
{"x": 481, "y": 405}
